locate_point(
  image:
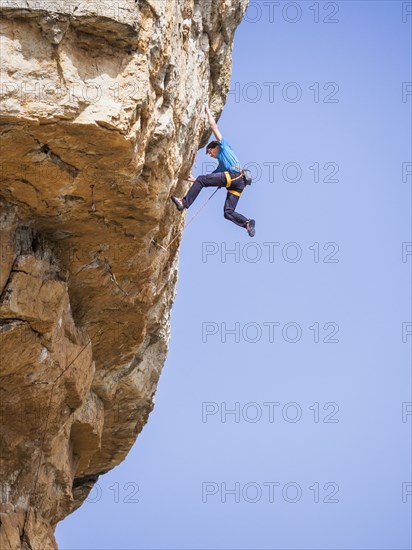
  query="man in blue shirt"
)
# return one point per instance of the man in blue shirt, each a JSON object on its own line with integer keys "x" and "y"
{"x": 227, "y": 174}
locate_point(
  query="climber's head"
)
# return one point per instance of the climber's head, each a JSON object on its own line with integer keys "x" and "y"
{"x": 213, "y": 149}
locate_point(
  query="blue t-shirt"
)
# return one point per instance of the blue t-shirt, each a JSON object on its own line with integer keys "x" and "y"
{"x": 227, "y": 158}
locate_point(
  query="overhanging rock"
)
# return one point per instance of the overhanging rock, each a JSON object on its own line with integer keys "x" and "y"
{"x": 101, "y": 110}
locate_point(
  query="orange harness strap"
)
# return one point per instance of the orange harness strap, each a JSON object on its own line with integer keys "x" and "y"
{"x": 229, "y": 181}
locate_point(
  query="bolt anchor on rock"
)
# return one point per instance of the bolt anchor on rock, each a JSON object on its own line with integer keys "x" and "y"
{"x": 93, "y": 204}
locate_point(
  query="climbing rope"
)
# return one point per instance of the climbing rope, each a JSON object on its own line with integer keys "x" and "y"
{"x": 97, "y": 333}
{"x": 27, "y": 515}
{"x": 188, "y": 223}
{"x": 49, "y": 407}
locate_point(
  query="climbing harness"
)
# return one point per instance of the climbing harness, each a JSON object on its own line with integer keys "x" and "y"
{"x": 230, "y": 180}
{"x": 245, "y": 174}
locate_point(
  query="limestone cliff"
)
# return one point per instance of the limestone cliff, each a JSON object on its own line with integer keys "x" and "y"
{"x": 101, "y": 111}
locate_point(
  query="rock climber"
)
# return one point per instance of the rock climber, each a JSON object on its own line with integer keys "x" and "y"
{"x": 228, "y": 174}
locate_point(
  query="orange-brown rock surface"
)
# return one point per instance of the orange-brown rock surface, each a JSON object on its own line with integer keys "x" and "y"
{"x": 101, "y": 111}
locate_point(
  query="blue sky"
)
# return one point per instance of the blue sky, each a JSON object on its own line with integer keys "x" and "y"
{"x": 298, "y": 331}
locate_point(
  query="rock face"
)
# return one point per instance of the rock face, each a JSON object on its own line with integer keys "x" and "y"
{"x": 101, "y": 113}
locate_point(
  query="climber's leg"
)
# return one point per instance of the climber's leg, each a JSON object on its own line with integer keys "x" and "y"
{"x": 211, "y": 180}
{"x": 229, "y": 210}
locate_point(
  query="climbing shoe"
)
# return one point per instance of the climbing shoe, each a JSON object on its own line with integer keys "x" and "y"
{"x": 250, "y": 227}
{"x": 179, "y": 204}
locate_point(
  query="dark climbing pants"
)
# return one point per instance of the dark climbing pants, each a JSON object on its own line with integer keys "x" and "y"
{"x": 219, "y": 180}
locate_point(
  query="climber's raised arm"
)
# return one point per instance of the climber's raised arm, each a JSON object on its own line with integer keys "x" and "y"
{"x": 212, "y": 123}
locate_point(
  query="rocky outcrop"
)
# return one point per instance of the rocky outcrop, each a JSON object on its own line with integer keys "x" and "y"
{"x": 101, "y": 107}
